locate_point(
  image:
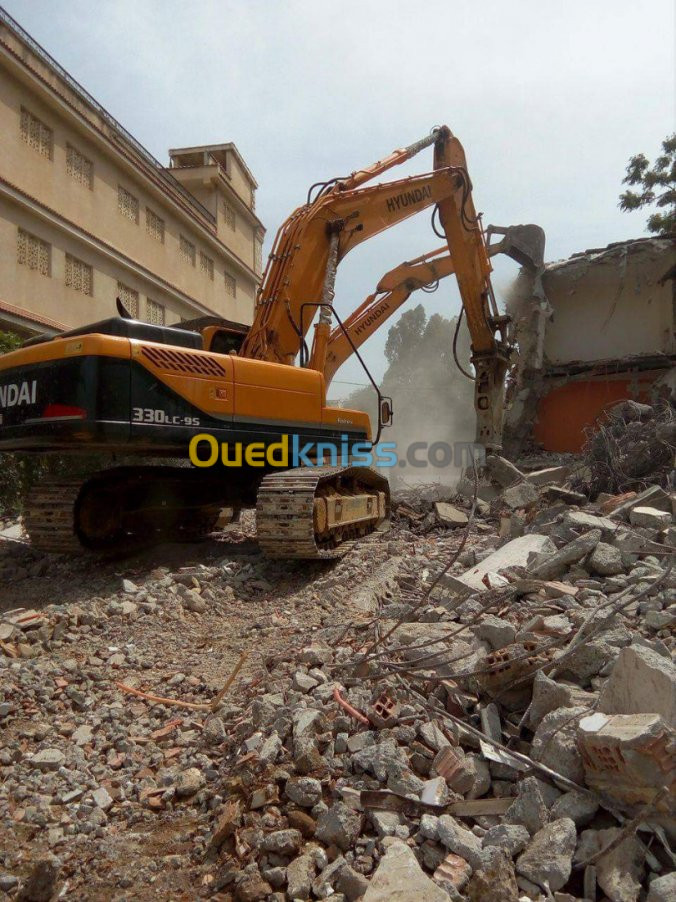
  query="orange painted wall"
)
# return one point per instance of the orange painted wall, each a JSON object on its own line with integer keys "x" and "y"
{"x": 564, "y": 413}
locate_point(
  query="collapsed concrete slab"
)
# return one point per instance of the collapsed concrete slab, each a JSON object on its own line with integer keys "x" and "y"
{"x": 514, "y": 554}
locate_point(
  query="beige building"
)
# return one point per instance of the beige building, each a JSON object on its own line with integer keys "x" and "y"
{"x": 88, "y": 215}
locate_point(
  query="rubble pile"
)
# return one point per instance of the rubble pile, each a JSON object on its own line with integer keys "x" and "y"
{"x": 479, "y": 710}
{"x": 631, "y": 448}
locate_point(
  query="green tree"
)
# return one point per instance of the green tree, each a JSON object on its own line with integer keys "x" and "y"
{"x": 656, "y": 185}
{"x": 9, "y": 342}
{"x": 404, "y": 337}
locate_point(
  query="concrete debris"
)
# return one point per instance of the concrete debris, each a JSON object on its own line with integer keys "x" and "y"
{"x": 620, "y": 870}
{"x": 379, "y": 743}
{"x": 399, "y": 878}
{"x": 628, "y": 757}
{"x": 641, "y": 682}
{"x": 547, "y": 860}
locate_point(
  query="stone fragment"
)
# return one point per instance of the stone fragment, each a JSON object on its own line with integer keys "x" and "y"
{"x": 641, "y": 682}
{"x": 449, "y": 516}
{"x": 653, "y": 496}
{"x": 339, "y": 826}
{"x": 282, "y": 842}
{"x": 663, "y": 889}
{"x": 618, "y": 872}
{"x": 578, "y": 806}
{"x": 605, "y": 560}
{"x": 548, "y": 857}
{"x": 529, "y": 808}
{"x": 188, "y": 782}
{"x": 193, "y": 601}
{"x": 496, "y": 631}
{"x": 555, "y": 743}
{"x": 521, "y": 495}
{"x": 548, "y": 695}
{"x": 351, "y": 883}
{"x": 627, "y": 756}
{"x": 552, "y": 565}
{"x": 649, "y": 517}
{"x": 513, "y": 554}
{"x": 549, "y": 476}
{"x": 511, "y": 838}
{"x": 496, "y": 882}
{"x": 48, "y": 759}
{"x": 304, "y": 791}
{"x": 503, "y": 471}
{"x": 384, "y": 822}
{"x": 102, "y": 798}
{"x": 459, "y": 840}
{"x": 399, "y": 878}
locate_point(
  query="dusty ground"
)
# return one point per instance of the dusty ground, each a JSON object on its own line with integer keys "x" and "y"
{"x": 278, "y": 606}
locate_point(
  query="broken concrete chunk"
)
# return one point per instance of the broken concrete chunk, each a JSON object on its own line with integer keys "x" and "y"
{"x": 548, "y": 857}
{"x": 649, "y": 517}
{"x": 529, "y": 809}
{"x": 581, "y": 521}
{"x": 503, "y": 471}
{"x": 339, "y": 826}
{"x": 663, "y": 889}
{"x": 642, "y": 681}
{"x": 605, "y": 560}
{"x": 551, "y": 565}
{"x": 459, "y": 840}
{"x": 399, "y": 878}
{"x": 520, "y": 496}
{"x": 555, "y": 743}
{"x": 511, "y": 838}
{"x": 653, "y": 496}
{"x": 548, "y": 695}
{"x": 619, "y": 871}
{"x": 627, "y": 756}
{"x": 448, "y": 515}
{"x": 578, "y": 806}
{"x": 496, "y": 882}
{"x": 549, "y": 476}
{"x": 513, "y": 554}
{"x": 299, "y": 875}
{"x": 496, "y": 631}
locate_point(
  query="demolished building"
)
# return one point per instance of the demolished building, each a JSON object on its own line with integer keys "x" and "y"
{"x": 596, "y": 329}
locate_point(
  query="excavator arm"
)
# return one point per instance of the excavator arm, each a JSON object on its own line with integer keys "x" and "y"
{"x": 392, "y": 291}
{"x": 308, "y": 248}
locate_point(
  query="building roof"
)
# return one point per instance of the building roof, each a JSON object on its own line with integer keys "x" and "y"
{"x": 218, "y": 152}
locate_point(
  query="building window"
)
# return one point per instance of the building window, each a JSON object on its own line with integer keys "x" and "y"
{"x": 34, "y": 253}
{"x": 79, "y": 275}
{"x": 229, "y": 213}
{"x": 129, "y": 298}
{"x": 207, "y": 265}
{"x": 230, "y": 285}
{"x": 187, "y": 250}
{"x": 79, "y": 167}
{"x": 36, "y": 134}
{"x": 155, "y": 313}
{"x": 154, "y": 225}
{"x": 258, "y": 255}
{"x": 127, "y": 204}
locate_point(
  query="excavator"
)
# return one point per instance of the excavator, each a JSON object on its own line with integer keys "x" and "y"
{"x": 143, "y": 392}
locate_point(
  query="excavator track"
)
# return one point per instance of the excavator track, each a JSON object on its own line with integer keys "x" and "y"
{"x": 291, "y": 510}
{"x": 49, "y": 515}
{"x": 87, "y": 513}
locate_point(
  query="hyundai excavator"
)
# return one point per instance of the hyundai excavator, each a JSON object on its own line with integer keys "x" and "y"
{"x": 142, "y": 391}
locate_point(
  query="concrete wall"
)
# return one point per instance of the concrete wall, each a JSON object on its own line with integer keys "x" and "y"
{"x": 608, "y": 304}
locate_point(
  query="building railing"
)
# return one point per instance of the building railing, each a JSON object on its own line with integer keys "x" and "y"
{"x": 171, "y": 183}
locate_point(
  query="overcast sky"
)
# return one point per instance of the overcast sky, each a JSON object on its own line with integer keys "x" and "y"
{"x": 549, "y": 100}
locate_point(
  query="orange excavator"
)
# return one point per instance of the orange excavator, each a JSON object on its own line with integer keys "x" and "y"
{"x": 143, "y": 391}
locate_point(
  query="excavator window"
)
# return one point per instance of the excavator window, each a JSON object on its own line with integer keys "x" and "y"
{"x": 224, "y": 341}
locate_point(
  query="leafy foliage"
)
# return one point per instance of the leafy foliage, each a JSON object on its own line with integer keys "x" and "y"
{"x": 656, "y": 186}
